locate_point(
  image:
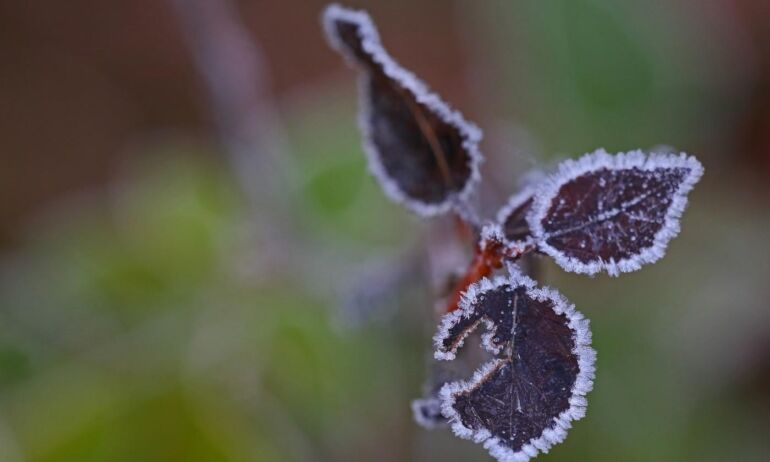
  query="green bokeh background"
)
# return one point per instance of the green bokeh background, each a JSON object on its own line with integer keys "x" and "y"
{"x": 168, "y": 320}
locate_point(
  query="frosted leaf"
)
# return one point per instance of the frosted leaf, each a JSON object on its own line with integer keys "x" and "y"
{"x": 427, "y": 413}
{"x": 512, "y": 217}
{"x": 612, "y": 212}
{"x": 479, "y": 304}
{"x": 423, "y": 153}
{"x": 427, "y": 409}
{"x": 522, "y": 403}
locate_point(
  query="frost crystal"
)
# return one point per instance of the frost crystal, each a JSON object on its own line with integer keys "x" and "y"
{"x": 523, "y": 402}
{"x": 427, "y": 413}
{"x": 512, "y": 217}
{"x": 482, "y": 302}
{"x": 424, "y": 153}
{"x": 612, "y": 213}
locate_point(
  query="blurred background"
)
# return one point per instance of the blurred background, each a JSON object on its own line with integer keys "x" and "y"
{"x": 194, "y": 265}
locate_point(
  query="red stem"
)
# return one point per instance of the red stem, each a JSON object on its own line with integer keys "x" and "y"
{"x": 485, "y": 261}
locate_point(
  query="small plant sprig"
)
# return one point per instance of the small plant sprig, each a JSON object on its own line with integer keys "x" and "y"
{"x": 599, "y": 213}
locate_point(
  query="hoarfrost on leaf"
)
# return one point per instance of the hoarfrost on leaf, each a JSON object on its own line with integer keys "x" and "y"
{"x": 427, "y": 413}
{"x": 488, "y": 302}
{"x": 522, "y": 402}
{"x": 612, "y": 213}
{"x": 424, "y": 153}
{"x": 512, "y": 217}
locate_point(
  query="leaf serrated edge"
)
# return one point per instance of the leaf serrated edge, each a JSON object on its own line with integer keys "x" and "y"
{"x": 514, "y": 202}
{"x": 417, "y": 406}
{"x": 469, "y": 132}
{"x": 557, "y": 432}
{"x": 466, "y": 308}
{"x": 571, "y": 169}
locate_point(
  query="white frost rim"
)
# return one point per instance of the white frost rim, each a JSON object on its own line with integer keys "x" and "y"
{"x": 418, "y": 405}
{"x": 571, "y": 169}
{"x": 494, "y": 233}
{"x": 514, "y": 202}
{"x": 586, "y": 357}
{"x": 465, "y": 310}
{"x": 469, "y": 132}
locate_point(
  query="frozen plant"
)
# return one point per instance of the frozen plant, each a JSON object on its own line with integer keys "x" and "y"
{"x": 601, "y": 212}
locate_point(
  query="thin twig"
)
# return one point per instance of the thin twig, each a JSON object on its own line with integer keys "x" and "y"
{"x": 231, "y": 66}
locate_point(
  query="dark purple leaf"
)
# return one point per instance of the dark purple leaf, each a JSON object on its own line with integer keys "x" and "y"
{"x": 522, "y": 402}
{"x": 480, "y": 304}
{"x": 427, "y": 409}
{"x": 512, "y": 218}
{"x": 423, "y": 152}
{"x": 612, "y": 212}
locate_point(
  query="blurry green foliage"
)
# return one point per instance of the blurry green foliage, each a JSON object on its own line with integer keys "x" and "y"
{"x": 139, "y": 323}
{"x": 589, "y": 73}
{"x": 337, "y": 197}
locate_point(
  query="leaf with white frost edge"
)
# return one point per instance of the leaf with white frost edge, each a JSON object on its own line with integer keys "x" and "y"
{"x": 423, "y": 153}
{"x": 547, "y": 370}
{"x": 427, "y": 413}
{"x": 612, "y": 213}
{"x": 512, "y": 217}
{"x": 455, "y": 327}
